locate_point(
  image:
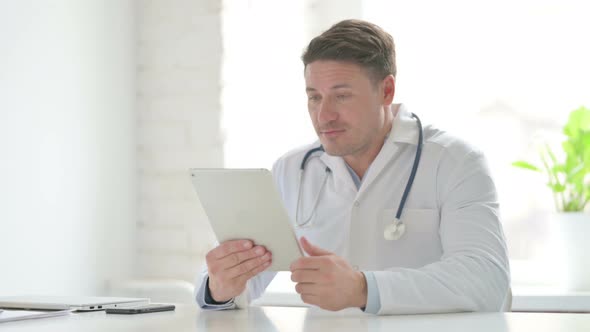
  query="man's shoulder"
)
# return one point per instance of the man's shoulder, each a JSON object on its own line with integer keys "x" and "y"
{"x": 448, "y": 145}
{"x": 288, "y": 164}
{"x": 294, "y": 155}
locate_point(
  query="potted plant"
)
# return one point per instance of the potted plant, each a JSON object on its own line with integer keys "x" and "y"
{"x": 569, "y": 180}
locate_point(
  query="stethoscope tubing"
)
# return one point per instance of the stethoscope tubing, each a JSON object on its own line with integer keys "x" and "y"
{"x": 405, "y": 194}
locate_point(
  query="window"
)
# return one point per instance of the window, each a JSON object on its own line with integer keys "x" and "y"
{"x": 502, "y": 75}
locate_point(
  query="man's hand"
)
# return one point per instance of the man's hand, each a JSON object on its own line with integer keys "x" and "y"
{"x": 328, "y": 281}
{"x": 232, "y": 264}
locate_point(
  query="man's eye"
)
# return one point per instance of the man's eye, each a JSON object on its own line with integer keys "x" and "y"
{"x": 313, "y": 98}
{"x": 341, "y": 97}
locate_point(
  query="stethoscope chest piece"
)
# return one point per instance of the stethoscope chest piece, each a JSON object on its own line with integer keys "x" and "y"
{"x": 394, "y": 231}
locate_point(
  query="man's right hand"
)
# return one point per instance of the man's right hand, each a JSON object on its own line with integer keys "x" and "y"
{"x": 232, "y": 264}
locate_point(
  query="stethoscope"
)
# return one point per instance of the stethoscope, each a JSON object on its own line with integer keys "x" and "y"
{"x": 393, "y": 231}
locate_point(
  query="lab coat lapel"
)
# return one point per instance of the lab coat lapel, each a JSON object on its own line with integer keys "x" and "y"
{"x": 387, "y": 153}
{"x": 339, "y": 170}
{"x": 403, "y": 130}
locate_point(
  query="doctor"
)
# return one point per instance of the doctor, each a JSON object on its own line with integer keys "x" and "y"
{"x": 394, "y": 218}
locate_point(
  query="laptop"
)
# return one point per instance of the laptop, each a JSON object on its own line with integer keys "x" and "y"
{"x": 74, "y": 303}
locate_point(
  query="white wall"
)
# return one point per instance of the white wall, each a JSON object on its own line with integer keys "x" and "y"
{"x": 179, "y": 85}
{"x": 67, "y": 145}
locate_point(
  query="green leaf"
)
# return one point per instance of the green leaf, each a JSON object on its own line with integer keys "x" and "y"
{"x": 585, "y": 142}
{"x": 579, "y": 120}
{"x": 556, "y": 187}
{"x": 526, "y": 165}
{"x": 568, "y": 178}
{"x": 571, "y": 158}
{"x": 550, "y": 153}
{"x": 577, "y": 176}
{"x": 569, "y": 148}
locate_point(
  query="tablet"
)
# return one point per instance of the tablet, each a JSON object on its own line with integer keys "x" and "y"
{"x": 245, "y": 204}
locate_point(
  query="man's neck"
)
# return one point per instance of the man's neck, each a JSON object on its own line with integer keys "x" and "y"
{"x": 360, "y": 163}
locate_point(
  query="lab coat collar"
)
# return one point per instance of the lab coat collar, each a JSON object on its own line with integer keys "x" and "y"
{"x": 404, "y": 128}
{"x": 339, "y": 170}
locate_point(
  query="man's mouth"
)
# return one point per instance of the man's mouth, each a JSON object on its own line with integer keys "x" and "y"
{"x": 331, "y": 132}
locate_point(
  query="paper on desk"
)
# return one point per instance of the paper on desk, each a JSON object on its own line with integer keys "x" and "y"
{"x": 12, "y": 315}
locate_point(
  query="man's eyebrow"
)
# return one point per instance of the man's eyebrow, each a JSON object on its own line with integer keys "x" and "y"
{"x": 337, "y": 86}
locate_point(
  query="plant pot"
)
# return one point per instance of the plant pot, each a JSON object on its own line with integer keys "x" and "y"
{"x": 574, "y": 231}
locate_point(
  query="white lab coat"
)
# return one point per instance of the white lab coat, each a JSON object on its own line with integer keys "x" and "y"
{"x": 453, "y": 255}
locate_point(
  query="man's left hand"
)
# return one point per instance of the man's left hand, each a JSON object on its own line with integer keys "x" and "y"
{"x": 328, "y": 281}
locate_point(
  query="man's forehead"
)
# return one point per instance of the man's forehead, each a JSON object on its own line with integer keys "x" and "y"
{"x": 332, "y": 66}
{"x": 333, "y": 74}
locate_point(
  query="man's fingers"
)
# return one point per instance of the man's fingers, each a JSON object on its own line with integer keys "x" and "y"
{"x": 311, "y": 249}
{"x": 310, "y": 299}
{"x": 248, "y": 267}
{"x": 237, "y": 258}
{"x": 252, "y": 273}
{"x": 229, "y": 247}
{"x": 311, "y": 263}
{"x": 305, "y": 276}
{"x": 307, "y": 288}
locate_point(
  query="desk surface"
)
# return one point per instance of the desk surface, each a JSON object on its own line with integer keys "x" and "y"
{"x": 546, "y": 299}
{"x": 524, "y": 299}
{"x": 188, "y": 318}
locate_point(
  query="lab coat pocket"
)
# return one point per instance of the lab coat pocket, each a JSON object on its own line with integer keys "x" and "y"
{"x": 421, "y": 238}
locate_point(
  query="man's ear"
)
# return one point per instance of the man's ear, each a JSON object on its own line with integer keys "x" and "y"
{"x": 388, "y": 85}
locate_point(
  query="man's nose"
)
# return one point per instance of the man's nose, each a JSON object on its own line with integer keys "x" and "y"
{"x": 328, "y": 112}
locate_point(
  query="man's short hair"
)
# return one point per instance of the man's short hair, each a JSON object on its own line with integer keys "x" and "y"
{"x": 356, "y": 41}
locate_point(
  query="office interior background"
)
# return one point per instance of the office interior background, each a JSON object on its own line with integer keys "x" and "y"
{"x": 106, "y": 104}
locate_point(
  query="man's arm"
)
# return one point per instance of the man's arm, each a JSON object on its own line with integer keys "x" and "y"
{"x": 473, "y": 273}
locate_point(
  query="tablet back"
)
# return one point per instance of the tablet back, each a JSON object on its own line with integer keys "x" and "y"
{"x": 244, "y": 204}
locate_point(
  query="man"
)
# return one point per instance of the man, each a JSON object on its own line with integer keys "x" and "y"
{"x": 448, "y": 253}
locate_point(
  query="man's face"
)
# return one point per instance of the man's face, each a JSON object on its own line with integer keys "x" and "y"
{"x": 346, "y": 108}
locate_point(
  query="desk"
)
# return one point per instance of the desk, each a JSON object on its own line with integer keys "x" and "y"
{"x": 189, "y": 318}
{"x": 523, "y": 300}
{"x": 547, "y": 299}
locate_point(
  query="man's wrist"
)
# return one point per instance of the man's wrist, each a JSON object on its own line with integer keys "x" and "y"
{"x": 209, "y": 296}
{"x": 362, "y": 292}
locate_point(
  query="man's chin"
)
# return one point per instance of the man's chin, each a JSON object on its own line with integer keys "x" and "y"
{"x": 334, "y": 150}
